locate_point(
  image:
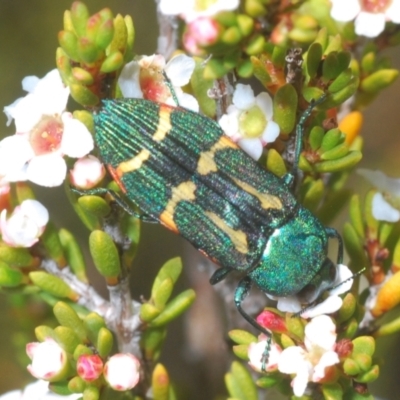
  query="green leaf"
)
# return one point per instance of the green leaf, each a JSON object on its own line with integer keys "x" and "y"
{"x": 285, "y": 108}
{"x": 242, "y": 337}
{"x": 105, "y": 254}
{"x": 174, "y": 308}
{"x": 160, "y": 383}
{"x": 53, "y": 285}
{"x": 314, "y": 56}
{"x": 356, "y": 217}
{"x": 105, "y": 342}
{"x": 171, "y": 269}
{"x": 66, "y": 338}
{"x": 275, "y": 163}
{"x": 354, "y": 246}
{"x": 67, "y": 317}
{"x": 240, "y": 384}
{"x": 93, "y": 323}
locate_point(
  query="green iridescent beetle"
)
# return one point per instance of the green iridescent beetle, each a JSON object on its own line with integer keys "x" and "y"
{"x": 180, "y": 169}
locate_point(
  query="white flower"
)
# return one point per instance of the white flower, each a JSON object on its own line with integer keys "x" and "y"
{"x": 25, "y": 225}
{"x": 49, "y": 360}
{"x": 249, "y": 120}
{"x": 143, "y": 78}
{"x": 370, "y": 16}
{"x": 87, "y": 172}
{"x": 45, "y": 133}
{"x": 330, "y": 305}
{"x": 192, "y": 9}
{"x": 309, "y": 363}
{"x": 122, "y": 371}
{"x": 37, "y": 391}
{"x": 382, "y": 210}
{"x": 256, "y": 352}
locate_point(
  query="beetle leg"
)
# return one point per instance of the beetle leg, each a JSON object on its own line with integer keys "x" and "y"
{"x": 300, "y": 131}
{"x": 219, "y": 275}
{"x": 118, "y": 199}
{"x": 241, "y": 292}
{"x": 333, "y": 233}
{"x": 288, "y": 179}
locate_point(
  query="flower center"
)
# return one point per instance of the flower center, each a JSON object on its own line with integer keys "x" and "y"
{"x": 46, "y": 136}
{"x": 202, "y": 5}
{"x": 375, "y": 6}
{"x": 252, "y": 123}
{"x": 153, "y": 85}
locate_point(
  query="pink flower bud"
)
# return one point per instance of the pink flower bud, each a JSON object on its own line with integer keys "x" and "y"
{"x": 25, "y": 225}
{"x": 272, "y": 321}
{"x": 200, "y": 33}
{"x": 122, "y": 371}
{"x": 87, "y": 172}
{"x": 89, "y": 367}
{"x": 49, "y": 360}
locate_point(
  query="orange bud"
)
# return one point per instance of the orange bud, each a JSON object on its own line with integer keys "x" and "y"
{"x": 388, "y": 296}
{"x": 351, "y": 125}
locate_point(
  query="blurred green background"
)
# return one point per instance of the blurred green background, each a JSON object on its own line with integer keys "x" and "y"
{"x": 28, "y": 39}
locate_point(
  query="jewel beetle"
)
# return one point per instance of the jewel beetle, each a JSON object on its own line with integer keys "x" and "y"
{"x": 179, "y": 169}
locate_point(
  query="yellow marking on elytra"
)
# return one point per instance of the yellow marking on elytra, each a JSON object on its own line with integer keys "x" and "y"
{"x": 238, "y": 237}
{"x": 183, "y": 192}
{"x": 164, "y": 123}
{"x": 206, "y": 163}
{"x": 267, "y": 200}
{"x": 133, "y": 164}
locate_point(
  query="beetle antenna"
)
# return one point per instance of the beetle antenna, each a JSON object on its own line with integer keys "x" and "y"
{"x": 310, "y": 306}
{"x": 357, "y": 274}
{"x": 171, "y": 88}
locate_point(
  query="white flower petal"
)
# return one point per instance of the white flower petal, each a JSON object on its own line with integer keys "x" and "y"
{"x": 381, "y": 181}
{"x": 243, "y": 97}
{"x": 369, "y": 24}
{"x": 264, "y": 101}
{"x": 382, "y": 210}
{"x": 187, "y": 101}
{"x": 230, "y": 124}
{"x": 77, "y": 140}
{"x": 271, "y": 132}
{"x": 252, "y": 147}
{"x": 9, "y": 111}
{"x": 345, "y": 10}
{"x": 256, "y": 352}
{"x": 15, "y": 152}
{"x": 300, "y": 381}
{"x": 51, "y": 93}
{"x": 179, "y": 69}
{"x": 291, "y": 360}
{"x": 48, "y": 170}
{"x": 129, "y": 81}
{"x": 26, "y": 113}
{"x": 321, "y": 332}
{"x": 327, "y": 359}
{"x": 393, "y": 12}
{"x": 29, "y": 83}
{"x": 37, "y": 212}
{"x": 342, "y": 281}
{"x": 328, "y": 306}
{"x": 175, "y": 7}
{"x": 289, "y": 304}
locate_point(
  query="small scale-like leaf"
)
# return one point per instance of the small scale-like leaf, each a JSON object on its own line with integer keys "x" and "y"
{"x": 242, "y": 337}
{"x": 174, "y": 308}
{"x": 160, "y": 383}
{"x": 66, "y": 316}
{"x": 285, "y": 107}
